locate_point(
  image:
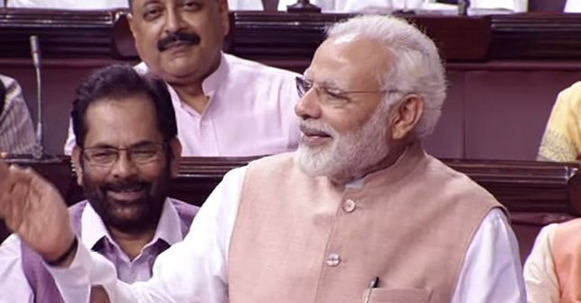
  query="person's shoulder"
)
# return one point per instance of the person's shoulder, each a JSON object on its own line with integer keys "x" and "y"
{"x": 570, "y": 95}
{"x": 274, "y": 159}
{"x": 10, "y": 84}
{"x": 572, "y": 226}
{"x": 459, "y": 181}
{"x": 6, "y": 80}
{"x": 257, "y": 69}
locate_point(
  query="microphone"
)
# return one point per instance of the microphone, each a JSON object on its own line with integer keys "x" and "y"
{"x": 36, "y": 60}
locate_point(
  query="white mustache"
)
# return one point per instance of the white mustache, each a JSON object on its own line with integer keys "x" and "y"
{"x": 317, "y": 126}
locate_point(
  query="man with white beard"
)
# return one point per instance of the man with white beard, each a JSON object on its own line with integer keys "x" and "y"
{"x": 360, "y": 213}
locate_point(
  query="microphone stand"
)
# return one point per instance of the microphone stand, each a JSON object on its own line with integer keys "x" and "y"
{"x": 38, "y": 152}
{"x": 303, "y": 6}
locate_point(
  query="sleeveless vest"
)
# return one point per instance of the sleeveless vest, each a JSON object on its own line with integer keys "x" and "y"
{"x": 303, "y": 239}
{"x": 566, "y": 249}
{"x": 41, "y": 281}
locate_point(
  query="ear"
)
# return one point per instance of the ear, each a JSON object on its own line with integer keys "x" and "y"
{"x": 176, "y": 150}
{"x": 223, "y": 10}
{"x": 76, "y": 158}
{"x": 131, "y": 24}
{"x": 406, "y": 116}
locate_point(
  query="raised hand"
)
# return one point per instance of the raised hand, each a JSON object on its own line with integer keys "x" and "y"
{"x": 34, "y": 209}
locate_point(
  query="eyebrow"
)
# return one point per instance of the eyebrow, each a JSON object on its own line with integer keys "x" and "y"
{"x": 147, "y": 2}
{"x": 331, "y": 84}
{"x": 138, "y": 144}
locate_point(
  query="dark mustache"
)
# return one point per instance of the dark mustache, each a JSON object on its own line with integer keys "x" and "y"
{"x": 189, "y": 38}
{"x": 124, "y": 185}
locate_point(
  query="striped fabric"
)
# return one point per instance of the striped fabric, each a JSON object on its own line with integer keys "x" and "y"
{"x": 16, "y": 130}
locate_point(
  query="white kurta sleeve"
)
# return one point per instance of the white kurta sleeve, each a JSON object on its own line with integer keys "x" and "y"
{"x": 194, "y": 270}
{"x": 492, "y": 270}
{"x": 539, "y": 270}
{"x": 14, "y": 287}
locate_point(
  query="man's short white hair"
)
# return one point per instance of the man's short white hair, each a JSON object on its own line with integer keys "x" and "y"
{"x": 416, "y": 66}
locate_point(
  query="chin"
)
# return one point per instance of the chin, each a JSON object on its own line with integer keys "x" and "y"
{"x": 314, "y": 161}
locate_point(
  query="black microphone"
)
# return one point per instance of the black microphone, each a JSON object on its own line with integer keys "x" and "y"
{"x": 36, "y": 60}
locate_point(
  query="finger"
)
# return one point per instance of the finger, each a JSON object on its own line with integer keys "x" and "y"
{"x": 14, "y": 195}
{"x": 7, "y": 184}
{"x": 17, "y": 208}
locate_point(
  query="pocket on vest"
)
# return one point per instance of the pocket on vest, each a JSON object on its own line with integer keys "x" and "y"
{"x": 397, "y": 295}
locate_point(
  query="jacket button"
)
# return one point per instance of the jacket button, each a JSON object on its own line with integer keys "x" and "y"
{"x": 349, "y": 206}
{"x": 333, "y": 259}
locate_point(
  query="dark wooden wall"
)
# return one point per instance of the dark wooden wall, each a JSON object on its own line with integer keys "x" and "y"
{"x": 504, "y": 71}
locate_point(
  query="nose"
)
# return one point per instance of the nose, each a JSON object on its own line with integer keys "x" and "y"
{"x": 174, "y": 20}
{"x": 124, "y": 167}
{"x": 309, "y": 107}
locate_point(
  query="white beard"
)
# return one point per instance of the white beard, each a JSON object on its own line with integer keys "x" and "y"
{"x": 349, "y": 154}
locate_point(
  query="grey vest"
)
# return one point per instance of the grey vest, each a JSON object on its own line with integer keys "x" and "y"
{"x": 41, "y": 281}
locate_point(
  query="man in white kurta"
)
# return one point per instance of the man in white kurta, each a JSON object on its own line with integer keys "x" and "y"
{"x": 350, "y": 6}
{"x": 225, "y": 106}
{"x": 250, "y": 112}
{"x": 359, "y": 213}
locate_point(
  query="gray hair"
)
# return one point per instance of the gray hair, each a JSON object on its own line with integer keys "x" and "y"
{"x": 416, "y": 66}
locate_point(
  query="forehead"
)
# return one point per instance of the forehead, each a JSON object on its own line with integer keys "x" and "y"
{"x": 354, "y": 63}
{"x": 121, "y": 122}
{"x": 138, "y": 3}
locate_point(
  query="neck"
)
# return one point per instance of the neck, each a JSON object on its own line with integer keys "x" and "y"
{"x": 193, "y": 95}
{"x": 132, "y": 243}
{"x": 192, "y": 92}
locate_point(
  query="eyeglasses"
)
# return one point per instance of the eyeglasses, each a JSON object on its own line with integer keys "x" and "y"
{"x": 330, "y": 96}
{"x": 138, "y": 154}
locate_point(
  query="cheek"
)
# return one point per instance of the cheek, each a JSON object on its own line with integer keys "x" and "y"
{"x": 344, "y": 123}
{"x": 93, "y": 178}
{"x": 151, "y": 172}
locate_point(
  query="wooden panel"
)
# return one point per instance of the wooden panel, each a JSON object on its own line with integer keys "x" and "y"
{"x": 536, "y": 36}
{"x": 62, "y": 34}
{"x": 279, "y": 35}
{"x": 527, "y": 186}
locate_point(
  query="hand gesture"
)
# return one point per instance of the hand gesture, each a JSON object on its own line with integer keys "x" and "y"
{"x": 34, "y": 209}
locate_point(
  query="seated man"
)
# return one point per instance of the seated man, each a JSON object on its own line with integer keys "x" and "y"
{"x": 16, "y": 130}
{"x": 111, "y": 4}
{"x": 127, "y": 153}
{"x": 572, "y": 6}
{"x": 359, "y": 214}
{"x": 225, "y": 106}
{"x": 348, "y": 6}
{"x": 562, "y": 138}
{"x": 551, "y": 272}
